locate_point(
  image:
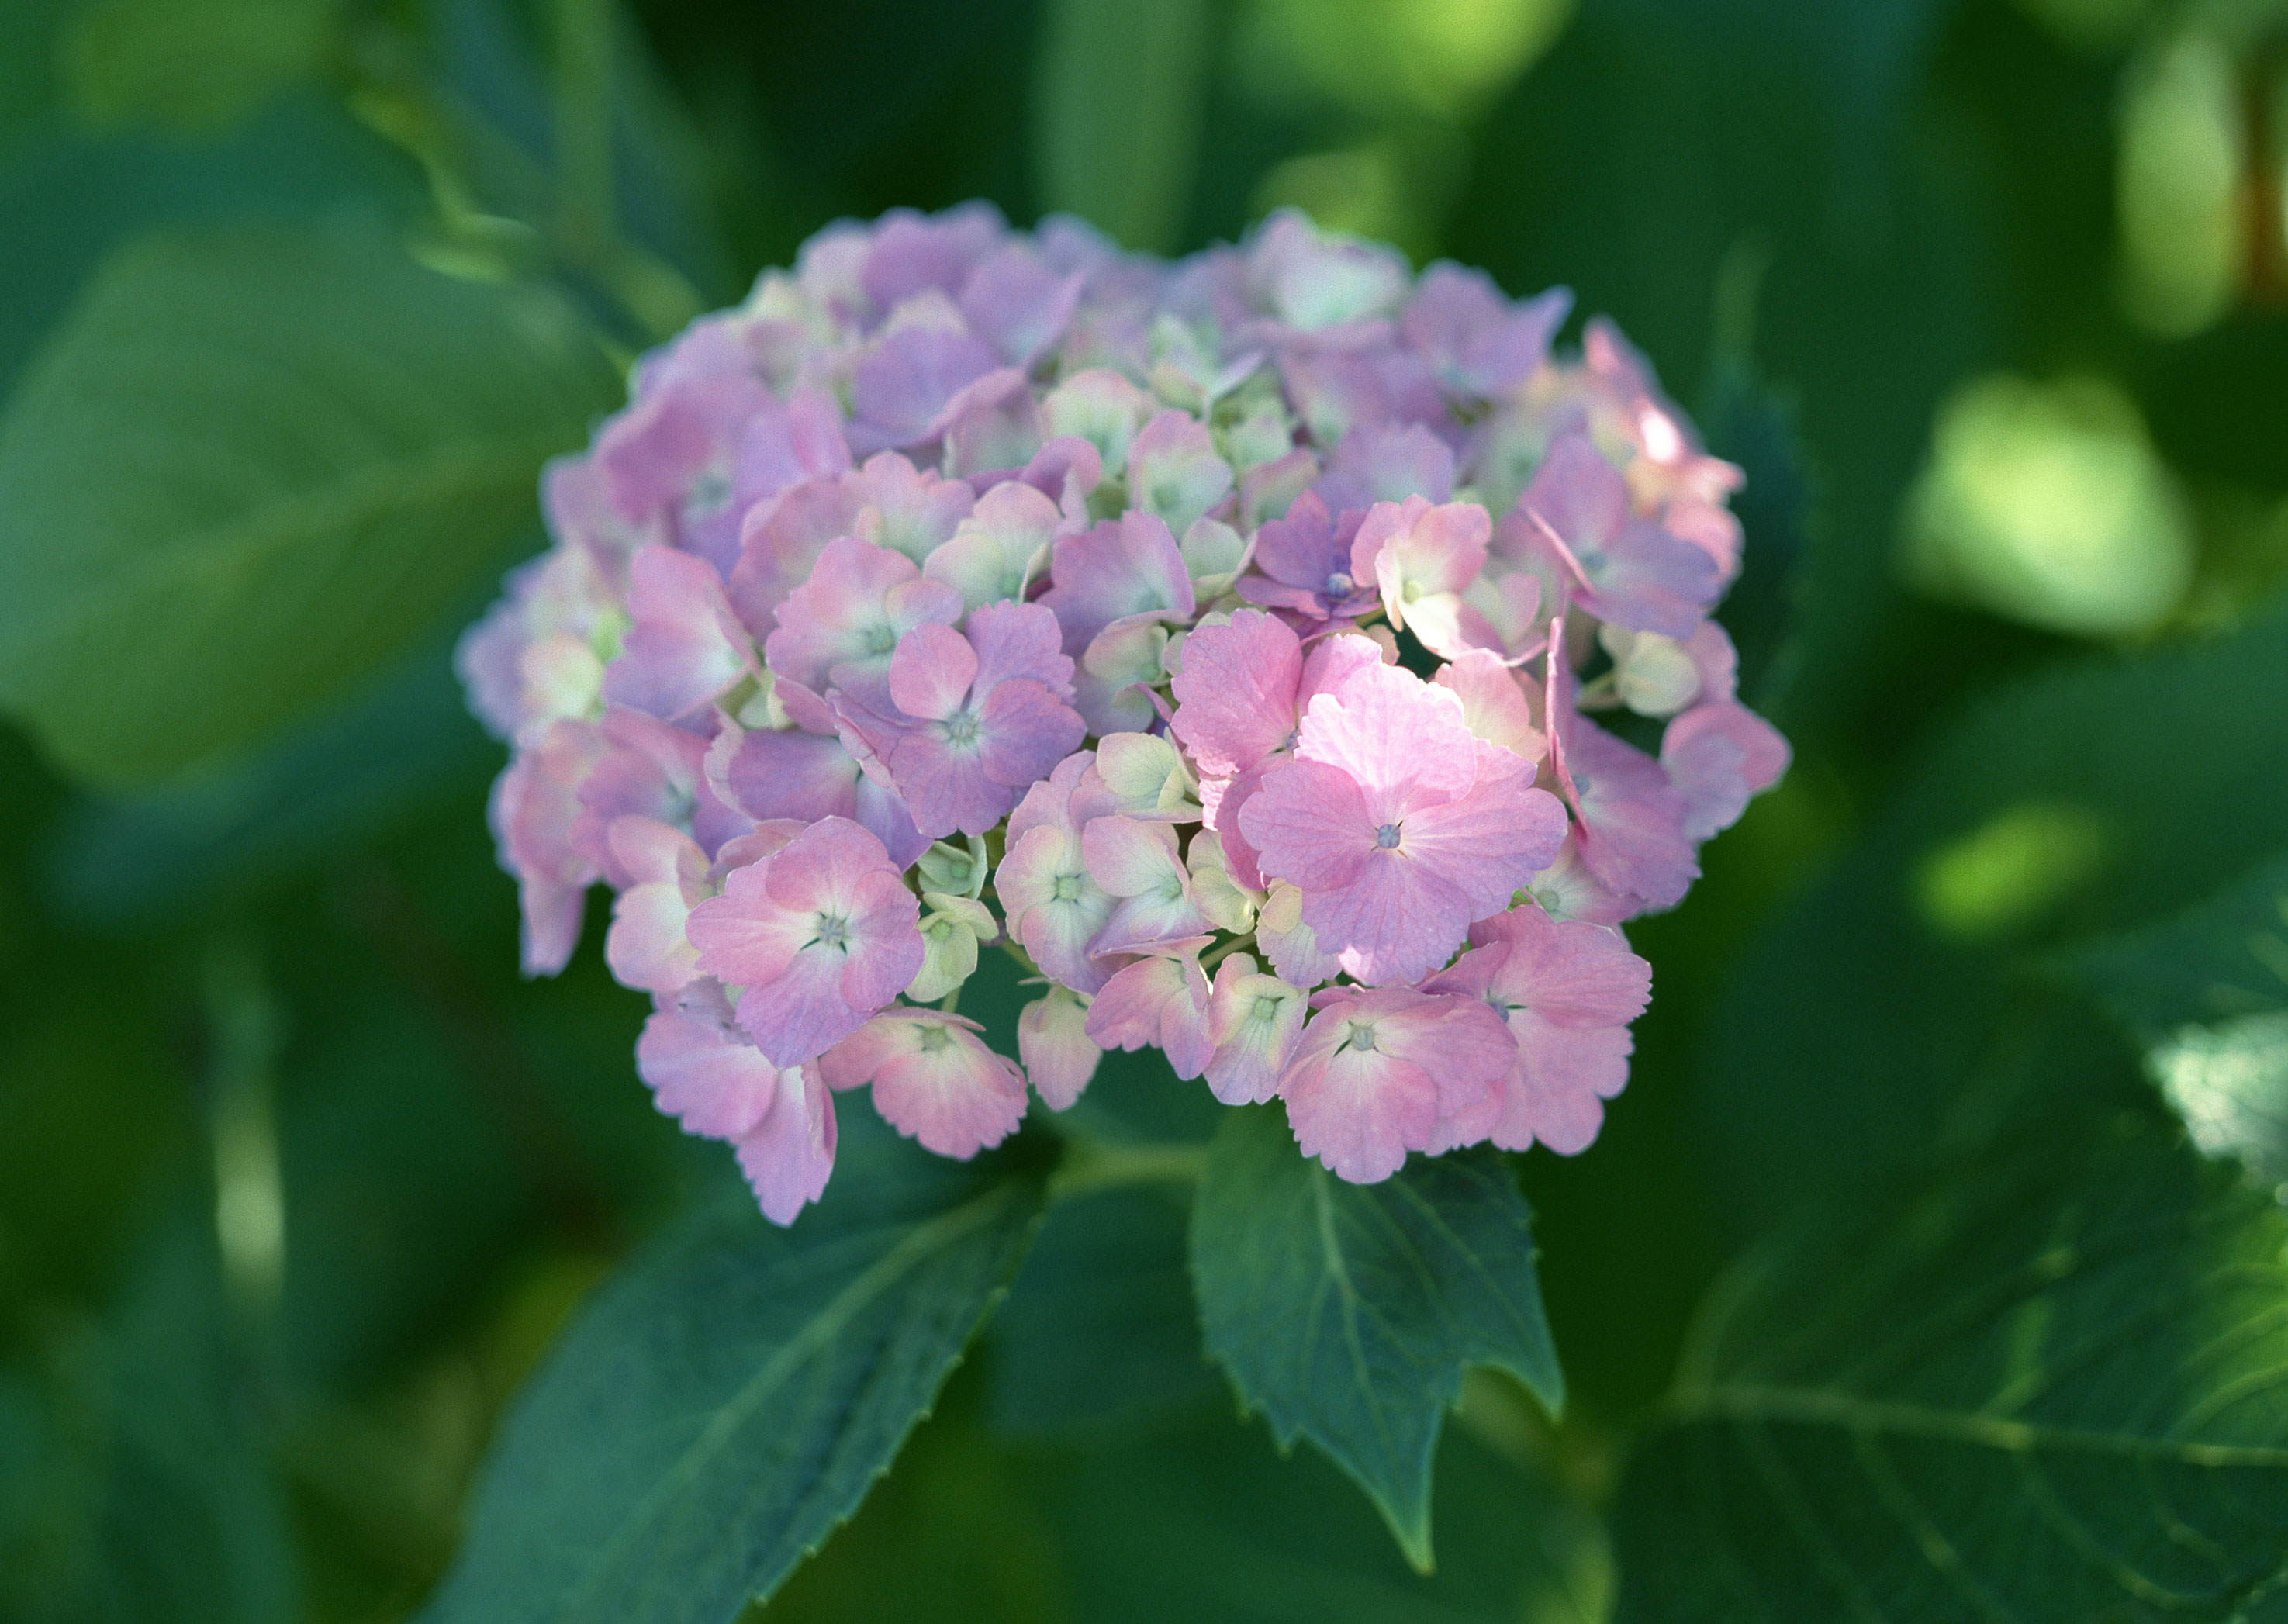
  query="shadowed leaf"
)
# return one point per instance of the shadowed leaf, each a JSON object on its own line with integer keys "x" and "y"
{"x": 1346, "y": 1313}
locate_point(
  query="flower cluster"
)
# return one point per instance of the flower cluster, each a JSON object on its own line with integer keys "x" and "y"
{"x": 1221, "y": 637}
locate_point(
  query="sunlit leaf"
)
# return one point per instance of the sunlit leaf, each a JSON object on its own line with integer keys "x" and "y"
{"x": 2086, "y": 800}
{"x": 2207, "y": 992}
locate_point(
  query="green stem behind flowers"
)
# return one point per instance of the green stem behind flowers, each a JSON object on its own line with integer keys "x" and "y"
{"x": 1094, "y": 1165}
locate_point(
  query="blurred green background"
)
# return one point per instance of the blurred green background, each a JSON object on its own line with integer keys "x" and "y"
{"x": 297, "y": 1177}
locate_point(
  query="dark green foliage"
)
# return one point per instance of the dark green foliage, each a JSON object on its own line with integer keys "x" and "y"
{"x": 2057, "y": 807}
{"x": 2046, "y": 1388}
{"x": 129, "y": 1487}
{"x": 1099, "y": 1334}
{"x": 1258, "y": 1539}
{"x": 1347, "y": 1313}
{"x": 2223, "y": 960}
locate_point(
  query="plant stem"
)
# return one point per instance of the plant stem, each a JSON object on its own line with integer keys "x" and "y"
{"x": 583, "y": 123}
{"x": 1094, "y": 1165}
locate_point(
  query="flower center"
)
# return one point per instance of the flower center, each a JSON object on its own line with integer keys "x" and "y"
{"x": 1067, "y": 888}
{"x": 961, "y": 729}
{"x": 881, "y": 640}
{"x": 829, "y": 930}
{"x": 1362, "y": 1036}
{"x": 1339, "y": 585}
{"x": 929, "y": 1037}
{"x": 1386, "y": 837}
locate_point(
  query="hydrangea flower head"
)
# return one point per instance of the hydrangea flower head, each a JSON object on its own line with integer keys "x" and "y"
{"x": 1223, "y": 640}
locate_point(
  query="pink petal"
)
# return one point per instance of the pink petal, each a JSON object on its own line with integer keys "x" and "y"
{"x": 1052, "y": 1041}
{"x": 1124, "y": 566}
{"x": 1563, "y": 1074}
{"x": 999, "y": 547}
{"x": 787, "y": 1156}
{"x": 1307, "y": 823}
{"x": 1159, "y": 1001}
{"x": 703, "y": 1073}
{"x": 1018, "y": 639}
{"x": 1393, "y": 921}
{"x": 686, "y": 646}
{"x": 931, "y": 671}
{"x": 1254, "y": 1022}
{"x": 1721, "y": 756}
{"x": 743, "y": 937}
{"x": 1235, "y": 697}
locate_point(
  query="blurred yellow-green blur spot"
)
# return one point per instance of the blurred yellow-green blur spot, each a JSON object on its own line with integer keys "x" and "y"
{"x": 2010, "y": 871}
{"x": 2045, "y": 503}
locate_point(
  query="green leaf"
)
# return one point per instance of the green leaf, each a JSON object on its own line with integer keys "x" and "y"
{"x": 401, "y": 744}
{"x": 192, "y": 64}
{"x": 250, "y": 466}
{"x": 2221, "y": 960}
{"x": 1100, "y": 1332}
{"x": 304, "y": 157}
{"x": 1117, "y": 104}
{"x": 1208, "y": 1524}
{"x": 1346, "y": 1313}
{"x": 2207, "y": 993}
{"x": 2051, "y": 1388}
{"x": 728, "y": 1401}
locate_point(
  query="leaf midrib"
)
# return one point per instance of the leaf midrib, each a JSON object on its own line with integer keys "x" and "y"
{"x": 830, "y": 1322}
{"x": 1850, "y": 1412}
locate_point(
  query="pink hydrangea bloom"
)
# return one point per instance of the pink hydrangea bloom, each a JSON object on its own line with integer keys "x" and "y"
{"x": 1052, "y": 1041}
{"x": 1122, "y": 567}
{"x": 1630, "y": 829}
{"x": 818, "y": 936}
{"x": 1109, "y": 565}
{"x": 1160, "y": 999}
{"x": 1306, "y": 563}
{"x": 1000, "y": 548}
{"x": 535, "y": 805}
{"x": 686, "y": 646}
{"x": 806, "y": 770}
{"x": 1422, "y": 558}
{"x": 1398, "y": 826}
{"x": 1052, "y": 904}
{"x": 1384, "y": 462}
{"x": 1137, "y": 863}
{"x": 1254, "y": 1022}
{"x": 1479, "y": 345}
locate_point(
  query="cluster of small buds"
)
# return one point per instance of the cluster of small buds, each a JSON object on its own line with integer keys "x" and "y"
{"x": 1215, "y": 636}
